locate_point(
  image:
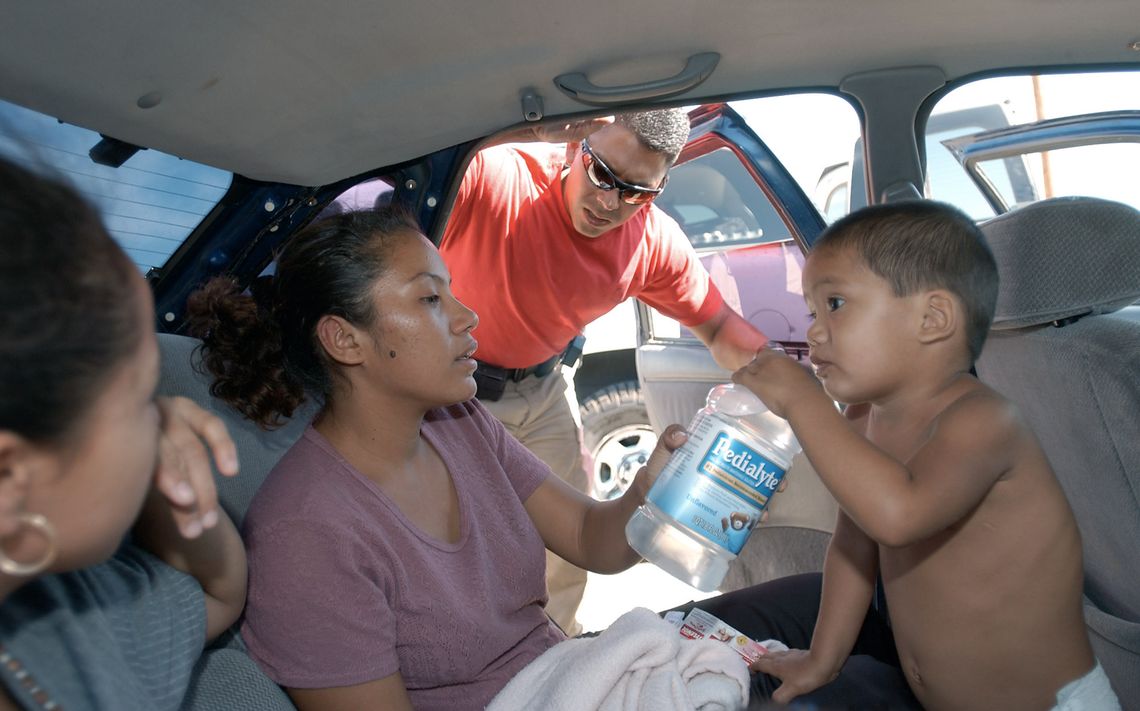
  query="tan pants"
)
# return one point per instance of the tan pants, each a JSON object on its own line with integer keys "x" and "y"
{"x": 542, "y": 413}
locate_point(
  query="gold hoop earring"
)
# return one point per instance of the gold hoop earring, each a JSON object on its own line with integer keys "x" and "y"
{"x": 42, "y": 526}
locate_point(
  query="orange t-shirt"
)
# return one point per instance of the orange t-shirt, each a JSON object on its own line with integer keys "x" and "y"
{"x": 516, "y": 259}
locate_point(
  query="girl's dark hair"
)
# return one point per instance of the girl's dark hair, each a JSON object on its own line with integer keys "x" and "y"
{"x": 262, "y": 348}
{"x": 68, "y": 306}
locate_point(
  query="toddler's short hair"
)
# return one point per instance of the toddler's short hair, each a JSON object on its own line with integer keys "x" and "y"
{"x": 924, "y": 244}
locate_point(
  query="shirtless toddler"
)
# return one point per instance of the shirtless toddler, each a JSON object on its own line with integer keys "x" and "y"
{"x": 943, "y": 489}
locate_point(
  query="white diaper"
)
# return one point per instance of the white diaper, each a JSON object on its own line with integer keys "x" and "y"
{"x": 1091, "y": 692}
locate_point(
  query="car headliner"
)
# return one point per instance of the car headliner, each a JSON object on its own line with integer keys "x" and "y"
{"x": 309, "y": 93}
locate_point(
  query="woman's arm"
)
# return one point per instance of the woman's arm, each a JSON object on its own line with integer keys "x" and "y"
{"x": 591, "y": 534}
{"x": 387, "y": 694}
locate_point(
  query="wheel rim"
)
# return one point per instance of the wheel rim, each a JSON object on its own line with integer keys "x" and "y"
{"x": 618, "y": 457}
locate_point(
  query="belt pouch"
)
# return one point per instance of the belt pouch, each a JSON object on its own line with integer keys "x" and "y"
{"x": 490, "y": 382}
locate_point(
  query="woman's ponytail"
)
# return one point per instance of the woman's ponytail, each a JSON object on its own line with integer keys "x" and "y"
{"x": 242, "y": 349}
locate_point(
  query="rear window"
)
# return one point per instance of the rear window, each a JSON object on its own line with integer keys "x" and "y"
{"x": 150, "y": 204}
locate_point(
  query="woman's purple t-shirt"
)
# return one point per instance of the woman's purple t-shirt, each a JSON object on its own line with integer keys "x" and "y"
{"x": 343, "y": 589}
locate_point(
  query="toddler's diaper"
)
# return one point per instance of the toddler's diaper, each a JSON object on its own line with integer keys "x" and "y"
{"x": 1091, "y": 692}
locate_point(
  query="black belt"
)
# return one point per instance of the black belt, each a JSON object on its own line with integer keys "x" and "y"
{"x": 544, "y": 368}
{"x": 491, "y": 378}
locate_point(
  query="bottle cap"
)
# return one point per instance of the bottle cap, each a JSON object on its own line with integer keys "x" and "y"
{"x": 735, "y": 400}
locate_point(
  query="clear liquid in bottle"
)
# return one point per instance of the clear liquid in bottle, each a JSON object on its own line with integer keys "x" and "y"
{"x": 706, "y": 502}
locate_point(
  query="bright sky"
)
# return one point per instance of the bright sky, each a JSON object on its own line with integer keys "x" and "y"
{"x": 809, "y": 132}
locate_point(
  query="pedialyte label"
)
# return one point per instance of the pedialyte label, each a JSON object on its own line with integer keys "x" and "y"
{"x": 717, "y": 484}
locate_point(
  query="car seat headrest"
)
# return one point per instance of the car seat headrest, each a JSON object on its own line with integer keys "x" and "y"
{"x": 1064, "y": 258}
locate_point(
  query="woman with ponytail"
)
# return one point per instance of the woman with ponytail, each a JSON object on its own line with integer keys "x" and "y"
{"x": 397, "y": 550}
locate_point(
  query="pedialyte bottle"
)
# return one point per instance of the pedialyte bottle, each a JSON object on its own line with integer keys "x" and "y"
{"x": 704, "y": 505}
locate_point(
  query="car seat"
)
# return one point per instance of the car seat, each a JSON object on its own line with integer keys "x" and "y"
{"x": 1061, "y": 349}
{"x": 225, "y": 677}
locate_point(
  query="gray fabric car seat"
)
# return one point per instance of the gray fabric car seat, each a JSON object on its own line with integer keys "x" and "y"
{"x": 258, "y": 449}
{"x": 225, "y": 677}
{"x": 1063, "y": 352}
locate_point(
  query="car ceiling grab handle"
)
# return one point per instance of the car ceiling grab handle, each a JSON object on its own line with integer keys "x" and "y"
{"x": 578, "y": 86}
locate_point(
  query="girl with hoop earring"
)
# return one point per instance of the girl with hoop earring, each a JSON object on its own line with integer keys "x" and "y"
{"x": 90, "y": 457}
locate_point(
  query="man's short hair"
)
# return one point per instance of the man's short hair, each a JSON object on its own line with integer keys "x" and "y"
{"x": 924, "y": 244}
{"x": 663, "y": 130}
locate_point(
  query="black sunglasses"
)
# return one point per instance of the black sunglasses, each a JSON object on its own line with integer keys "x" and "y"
{"x": 604, "y": 179}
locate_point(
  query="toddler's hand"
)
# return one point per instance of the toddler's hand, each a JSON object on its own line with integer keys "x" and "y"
{"x": 183, "y": 475}
{"x": 776, "y": 379}
{"x": 798, "y": 671}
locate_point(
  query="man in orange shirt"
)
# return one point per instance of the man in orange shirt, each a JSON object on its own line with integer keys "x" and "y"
{"x": 543, "y": 239}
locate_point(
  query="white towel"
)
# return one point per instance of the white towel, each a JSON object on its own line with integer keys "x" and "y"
{"x": 639, "y": 662}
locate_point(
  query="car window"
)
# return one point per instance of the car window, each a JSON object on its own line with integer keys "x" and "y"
{"x": 717, "y": 203}
{"x": 760, "y": 282}
{"x": 371, "y": 194}
{"x": 150, "y": 204}
{"x": 948, "y": 182}
{"x": 1070, "y": 171}
{"x": 812, "y": 135}
{"x": 742, "y": 238}
{"x": 835, "y": 205}
{"x": 1099, "y": 169}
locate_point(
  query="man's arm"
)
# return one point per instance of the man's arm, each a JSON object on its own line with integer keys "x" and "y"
{"x": 570, "y": 132}
{"x": 732, "y": 341}
{"x": 584, "y": 531}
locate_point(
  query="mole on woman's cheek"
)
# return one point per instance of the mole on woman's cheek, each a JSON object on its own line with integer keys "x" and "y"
{"x": 391, "y": 354}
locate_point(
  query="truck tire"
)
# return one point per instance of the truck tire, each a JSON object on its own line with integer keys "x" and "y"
{"x": 617, "y": 436}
